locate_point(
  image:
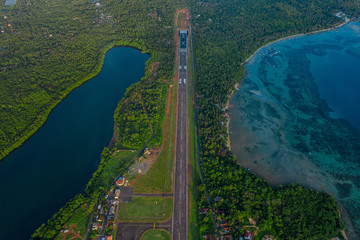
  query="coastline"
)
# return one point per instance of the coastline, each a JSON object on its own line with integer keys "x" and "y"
{"x": 343, "y": 232}
{"x": 294, "y": 36}
{"x": 252, "y": 55}
{"x": 228, "y": 119}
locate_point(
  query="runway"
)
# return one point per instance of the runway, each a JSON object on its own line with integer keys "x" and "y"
{"x": 179, "y": 220}
{"x": 177, "y": 225}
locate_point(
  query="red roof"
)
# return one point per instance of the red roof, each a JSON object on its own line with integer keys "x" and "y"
{"x": 223, "y": 152}
{"x": 209, "y": 237}
{"x": 120, "y": 181}
{"x": 223, "y": 224}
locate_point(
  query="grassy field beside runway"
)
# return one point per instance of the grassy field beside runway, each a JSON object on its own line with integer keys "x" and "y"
{"x": 193, "y": 178}
{"x": 159, "y": 178}
{"x": 156, "y": 234}
{"x": 146, "y": 209}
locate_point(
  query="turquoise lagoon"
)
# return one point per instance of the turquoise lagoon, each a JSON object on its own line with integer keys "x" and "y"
{"x": 296, "y": 116}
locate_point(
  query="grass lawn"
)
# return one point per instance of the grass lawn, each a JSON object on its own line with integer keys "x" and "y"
{"x": 194, "y": 180}
{"x": 146, "y": 209}
{"x": 159, "y": 178}
{"x": 157, "y": 234}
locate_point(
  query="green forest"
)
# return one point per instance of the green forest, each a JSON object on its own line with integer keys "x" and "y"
{"x": 48, "y": 48}
{"x": 225, "y": 35}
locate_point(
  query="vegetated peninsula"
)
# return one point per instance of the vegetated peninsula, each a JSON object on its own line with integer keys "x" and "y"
{"x": 225, "y": 35}
{"x": 302, "y": 141}
{"x": 49, "y": 48}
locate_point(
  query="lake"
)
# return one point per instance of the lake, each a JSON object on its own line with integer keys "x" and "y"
{"x": 296, "y": 116}
{"x": 56, "y": 163}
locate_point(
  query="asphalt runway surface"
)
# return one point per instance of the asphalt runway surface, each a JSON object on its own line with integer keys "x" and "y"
{"x": 179, "y": 219}
{"x": 133, "y": 231}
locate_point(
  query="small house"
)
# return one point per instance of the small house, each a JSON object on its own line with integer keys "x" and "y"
{"x": 204, "y": 210}
{"x": 224, "y": 224}
{"x": 120, "y": 181}
{"x": 95, "y": 226}
{"x": 208, "y": 237}
{"x": 247, "y": 235}
{"x": 112, "y": 210}
{"x": 117, "y": 193}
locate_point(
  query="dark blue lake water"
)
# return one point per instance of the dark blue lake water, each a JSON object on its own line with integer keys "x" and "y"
{"x": 57, "y": 162}
{"x": 296, "y": 116}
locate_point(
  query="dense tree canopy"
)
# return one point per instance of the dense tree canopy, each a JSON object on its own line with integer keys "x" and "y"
{"x": 48, "y": 48}
{"x": 225, "y": 35}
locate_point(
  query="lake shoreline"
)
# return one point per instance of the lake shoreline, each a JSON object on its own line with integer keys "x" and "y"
{"x": 41, "y": 120}
{"x": 83, "y": 125}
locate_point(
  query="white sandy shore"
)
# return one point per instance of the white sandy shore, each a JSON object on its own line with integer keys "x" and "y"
{"x": 237, "y": 84}
{"x": 294, "y": 36}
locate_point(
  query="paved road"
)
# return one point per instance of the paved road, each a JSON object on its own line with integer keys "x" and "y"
{"x": 133, "y": 231}
{"x": 152, "y": 194}
{"x": 179, "y": 220}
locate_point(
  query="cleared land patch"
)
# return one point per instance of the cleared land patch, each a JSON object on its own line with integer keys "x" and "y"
{"x": 156, "y": 234}
{"x": 159, "y": 178}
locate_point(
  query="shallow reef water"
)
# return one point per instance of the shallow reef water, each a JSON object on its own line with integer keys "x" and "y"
{"x": 296, "y": 116}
